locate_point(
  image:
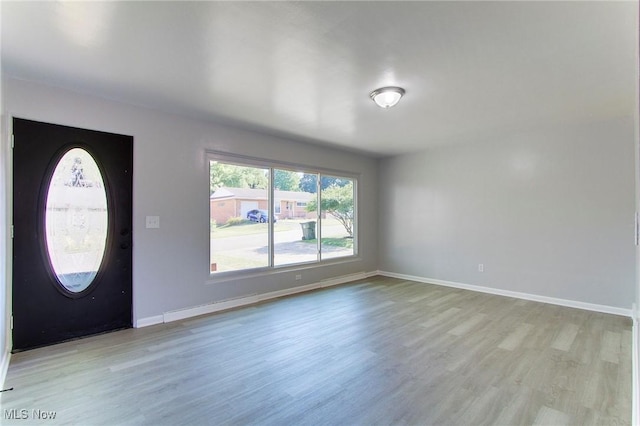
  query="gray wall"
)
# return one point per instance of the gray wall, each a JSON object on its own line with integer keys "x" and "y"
{"x": 171, "y": 181}
{"x": 549, "y": 212}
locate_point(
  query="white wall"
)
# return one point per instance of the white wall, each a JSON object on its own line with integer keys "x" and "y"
{"x": 171, "y": 180}
{"x": 548, "y": 211}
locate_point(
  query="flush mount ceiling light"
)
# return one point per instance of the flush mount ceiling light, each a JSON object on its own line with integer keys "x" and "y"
{"x": 386, "y": 97}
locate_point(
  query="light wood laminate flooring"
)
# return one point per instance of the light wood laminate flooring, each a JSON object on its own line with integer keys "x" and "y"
{"x": 377, "y": 351}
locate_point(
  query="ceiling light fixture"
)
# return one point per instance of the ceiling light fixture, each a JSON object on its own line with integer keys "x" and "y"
{"x": 386, "y": 97}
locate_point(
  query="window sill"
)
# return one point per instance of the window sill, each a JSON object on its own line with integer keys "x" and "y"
{"x": 221, "y": 277}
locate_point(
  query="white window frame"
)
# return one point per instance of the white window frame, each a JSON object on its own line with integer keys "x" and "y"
{"x": 247, "y": 161}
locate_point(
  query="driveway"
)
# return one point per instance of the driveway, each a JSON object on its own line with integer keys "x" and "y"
{"x": 245, "y": 251}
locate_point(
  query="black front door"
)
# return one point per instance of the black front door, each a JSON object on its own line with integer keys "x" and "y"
{"x": 72, "y": 208}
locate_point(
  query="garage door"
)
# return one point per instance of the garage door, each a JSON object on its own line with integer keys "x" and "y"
{"x": 245, "y": 206}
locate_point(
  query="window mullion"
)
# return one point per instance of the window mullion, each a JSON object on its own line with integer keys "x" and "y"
{"x": 271, "y": 222}
{"x": 319, "y": 214}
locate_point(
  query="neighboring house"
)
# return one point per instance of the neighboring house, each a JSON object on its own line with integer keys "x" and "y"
{"x": 293, "y": 204}
{"x": 236, "y": 202}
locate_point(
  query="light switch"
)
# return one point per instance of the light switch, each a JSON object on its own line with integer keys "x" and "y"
{"x": 153, "y": 221}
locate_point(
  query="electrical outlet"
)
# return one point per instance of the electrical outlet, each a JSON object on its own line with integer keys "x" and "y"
{"x": 480, "y": 267}
{"x": 298, "y": 277}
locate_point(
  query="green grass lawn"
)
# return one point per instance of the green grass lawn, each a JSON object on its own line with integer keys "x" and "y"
{"x": 226, "y": 262}
{"x": 248, "y": 228}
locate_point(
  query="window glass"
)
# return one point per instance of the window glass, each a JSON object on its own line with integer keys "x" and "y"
{"x": 265, "y": 216}
{"x": 294, "y": 238}
{"x": 239, "y": 212}
{"x": 337, "y": 211}
{"x": 76, "y": 220}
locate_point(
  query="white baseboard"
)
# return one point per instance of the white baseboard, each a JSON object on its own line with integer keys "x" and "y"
{"x": 209, "y": 308}
{"x": 515, "y": 294}
{"x": 4, "y": 367}
{"x": 255, "y": 298}
{"x": 146, "y": 322}
{"x": 251, "y": 299}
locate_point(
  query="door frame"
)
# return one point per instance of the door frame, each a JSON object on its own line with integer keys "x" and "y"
{"x": 7, "y": 133}
{"x": 6, "y": 248}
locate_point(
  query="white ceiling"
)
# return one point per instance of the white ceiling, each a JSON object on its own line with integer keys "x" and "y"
{"x": 305, "y": 69}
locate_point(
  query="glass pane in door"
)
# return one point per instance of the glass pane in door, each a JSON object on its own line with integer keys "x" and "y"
{"x": 76, "y": 220}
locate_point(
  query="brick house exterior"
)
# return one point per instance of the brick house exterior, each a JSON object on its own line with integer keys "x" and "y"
{"x": 226, "y": 203}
